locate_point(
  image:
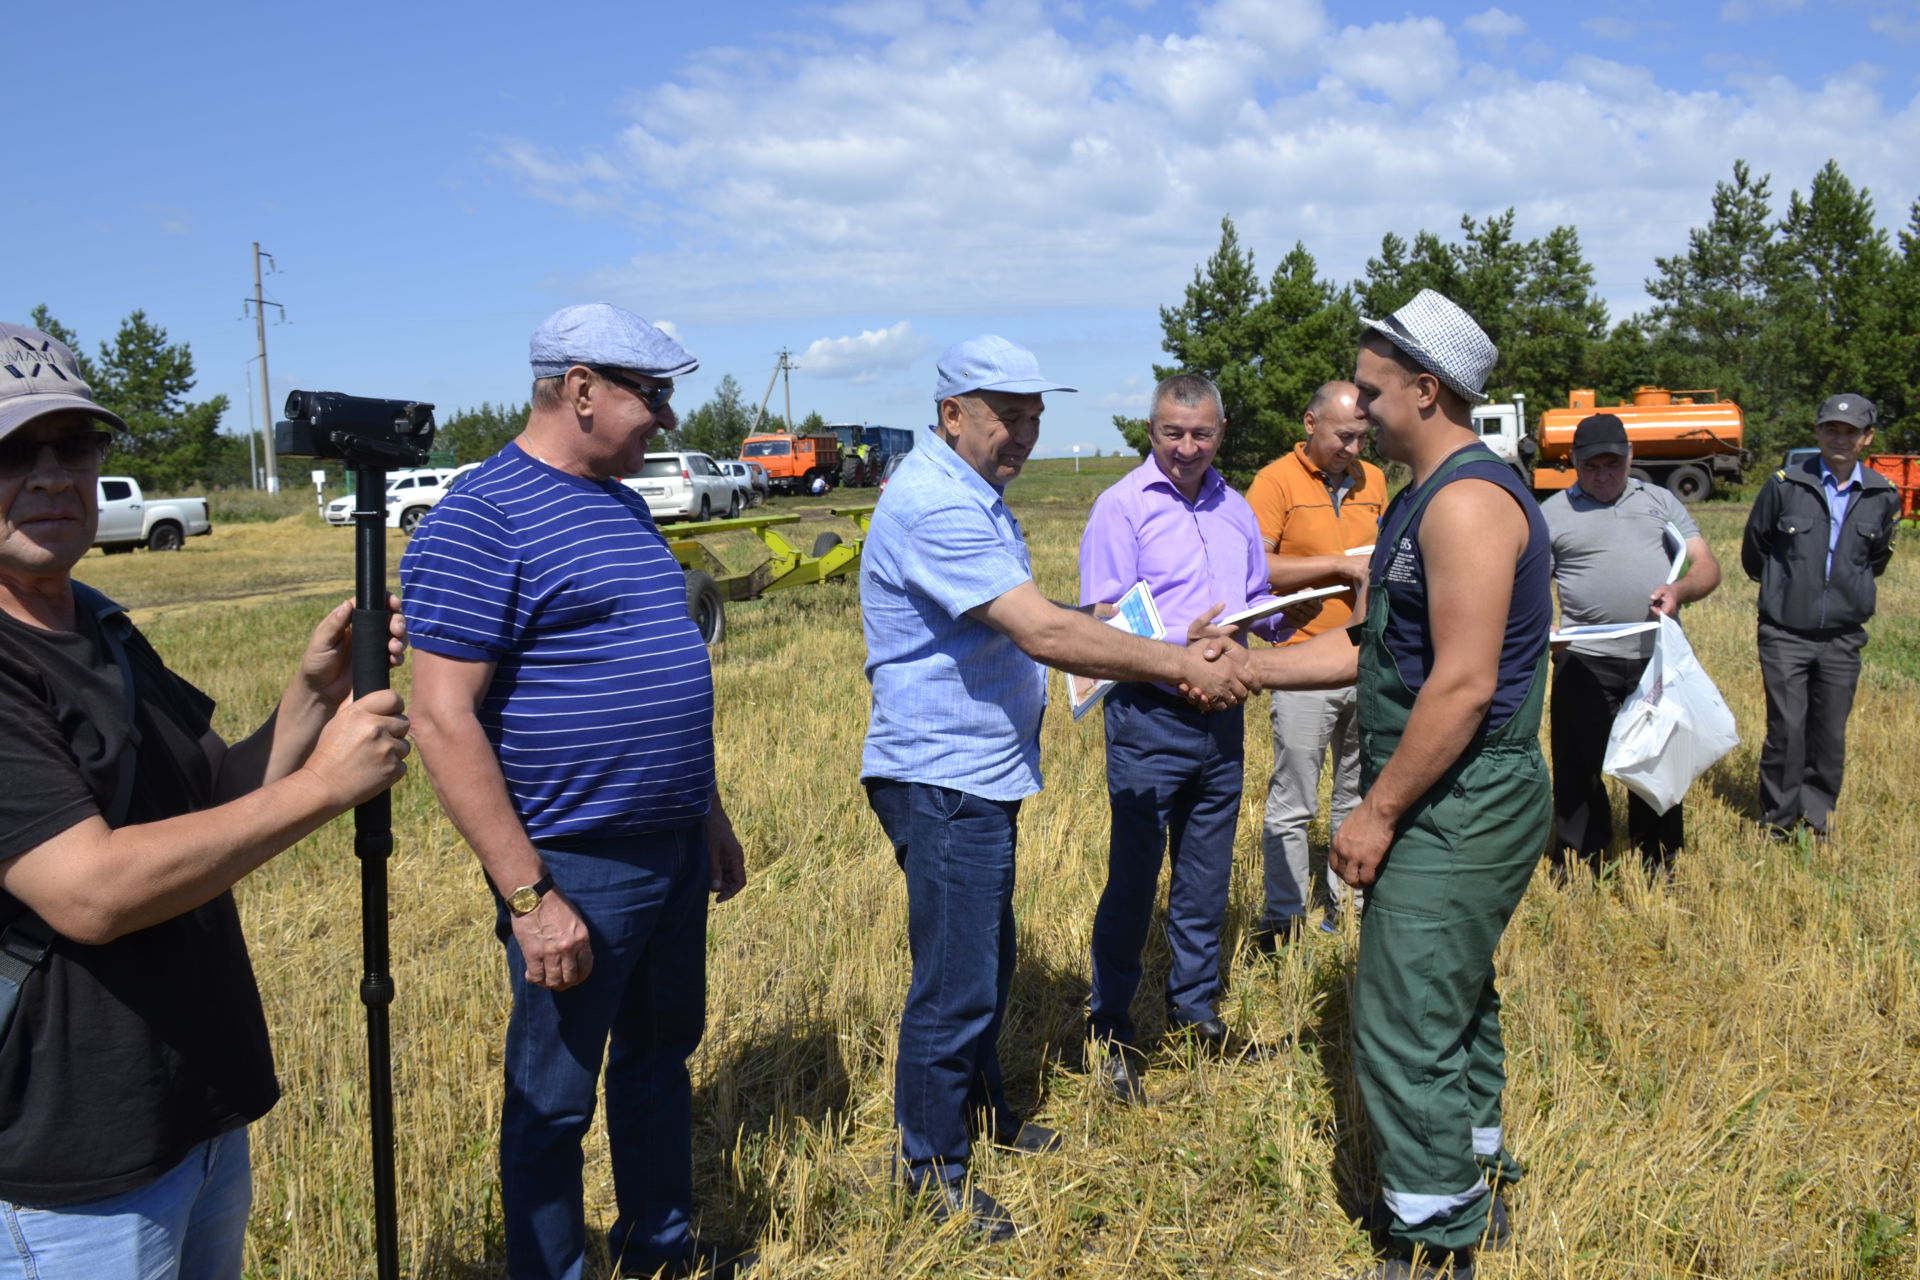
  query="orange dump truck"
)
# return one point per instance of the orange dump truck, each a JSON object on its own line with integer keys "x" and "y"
{"x": 1682, "y": 440}
{"x": 793, "y": 461}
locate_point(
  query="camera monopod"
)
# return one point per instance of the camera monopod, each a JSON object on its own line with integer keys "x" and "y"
{"x": 372, "y": 436}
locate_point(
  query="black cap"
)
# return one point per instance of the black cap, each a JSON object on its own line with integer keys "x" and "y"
{"x": 1599, "y": 434}
{"x": 1855, "y": 411}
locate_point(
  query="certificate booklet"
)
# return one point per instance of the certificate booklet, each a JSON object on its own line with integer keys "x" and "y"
{"x": 1137, "y": 616}
{"x": 1601, "y": 631}
{"x": 1267, "y": 608}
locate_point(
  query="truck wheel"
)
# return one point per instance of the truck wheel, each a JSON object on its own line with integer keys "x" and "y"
{"x": 705, "y": 607}
{"x": 165, "y": 537}
{"x": 1690, "y": 483}
{"x": 410, "y": 519}
{"x": 825, "y": 543}
{"x": 1641, "y": 474}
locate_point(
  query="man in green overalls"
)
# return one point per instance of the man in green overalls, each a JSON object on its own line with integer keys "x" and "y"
{"x": 1450, "y": 664}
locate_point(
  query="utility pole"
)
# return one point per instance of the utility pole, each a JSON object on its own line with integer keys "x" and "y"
{"x": 781, "y": 368}
{"x": 270, "y": 465}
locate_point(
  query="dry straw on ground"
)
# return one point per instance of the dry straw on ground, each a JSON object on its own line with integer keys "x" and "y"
{"x": 1719, "y": 1077}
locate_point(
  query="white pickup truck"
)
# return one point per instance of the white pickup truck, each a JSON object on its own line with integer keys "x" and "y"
{"x": 129, "y": 519}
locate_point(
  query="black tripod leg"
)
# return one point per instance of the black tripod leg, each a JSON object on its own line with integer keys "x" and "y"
{"x": 372, "y": 844}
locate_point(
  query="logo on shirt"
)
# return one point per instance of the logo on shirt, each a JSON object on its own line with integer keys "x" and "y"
{"x": 1401, "y": 567}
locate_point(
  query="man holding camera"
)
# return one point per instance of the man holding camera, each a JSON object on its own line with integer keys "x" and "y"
{"x": 565, "y": 714}
{"x": 133, "y": 1046}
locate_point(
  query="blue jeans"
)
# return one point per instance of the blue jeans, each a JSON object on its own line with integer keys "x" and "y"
{"x": 642, "y": 1009}
{"x": 1173, "y": 780}
{"x": 190, "y": 1223}
{"x": 957, "y": 851}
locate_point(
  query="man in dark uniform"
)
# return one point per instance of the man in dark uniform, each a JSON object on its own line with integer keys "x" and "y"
{"x": 1456, "y": 807}
{"x": 1817, "y": 537}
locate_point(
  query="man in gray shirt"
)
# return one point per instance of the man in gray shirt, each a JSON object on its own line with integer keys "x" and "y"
{"x": 1611, "y": 557}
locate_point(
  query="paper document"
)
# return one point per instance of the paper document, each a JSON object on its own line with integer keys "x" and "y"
{"x": 1679, "y": 552}
{"x": 1267, "y": 608}
{"x": 1137, "y": 616}
{"x": 1601, "y": 631}
{"x": 1361, "y": 551}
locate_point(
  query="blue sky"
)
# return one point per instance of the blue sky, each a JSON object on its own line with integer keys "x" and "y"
{"x": 866, "y": 182}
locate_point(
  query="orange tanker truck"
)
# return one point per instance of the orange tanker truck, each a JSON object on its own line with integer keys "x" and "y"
{"x": 1684, "y": 441}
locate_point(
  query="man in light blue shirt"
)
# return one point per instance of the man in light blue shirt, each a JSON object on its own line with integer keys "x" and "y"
{"x": 956, "y": 631}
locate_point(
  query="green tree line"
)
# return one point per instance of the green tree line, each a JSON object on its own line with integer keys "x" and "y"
{"x": 1775, "y": 309}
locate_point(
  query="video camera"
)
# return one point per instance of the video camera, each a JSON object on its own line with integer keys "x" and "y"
{"x": 359, "y": 429}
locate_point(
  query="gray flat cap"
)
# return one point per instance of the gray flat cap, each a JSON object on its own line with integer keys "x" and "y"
{"x": 601, "y": 335}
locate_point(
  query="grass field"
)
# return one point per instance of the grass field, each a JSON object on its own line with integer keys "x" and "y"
{"x": 1720, "y": 1077}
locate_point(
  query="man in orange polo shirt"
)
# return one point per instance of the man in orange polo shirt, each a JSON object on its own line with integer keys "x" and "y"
{"x": 1314, "y": 505}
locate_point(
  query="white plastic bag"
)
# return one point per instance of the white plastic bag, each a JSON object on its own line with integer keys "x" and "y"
{"x": 1673, "y": 728}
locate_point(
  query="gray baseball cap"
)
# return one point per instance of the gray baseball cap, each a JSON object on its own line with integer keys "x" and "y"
{"x": 1443, "y": 340}
{"x": 989, "y": 363}
{"x": 1854, "y": 410}
{"x": 601, "y": 335}
{"x": 38, "y": 375}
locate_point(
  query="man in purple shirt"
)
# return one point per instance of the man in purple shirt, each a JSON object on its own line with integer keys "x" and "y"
{"x": 1173, "y": 524}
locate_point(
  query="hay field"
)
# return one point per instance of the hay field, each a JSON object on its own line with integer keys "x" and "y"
{"x": 1717, "y": 1078}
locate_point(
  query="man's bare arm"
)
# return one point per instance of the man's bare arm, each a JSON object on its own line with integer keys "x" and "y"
{"x": 1073, "y": 641}
{"x": 1471, "y": 539}
{"x": 447, "y": 693}
{"x": 1293, "y": 573}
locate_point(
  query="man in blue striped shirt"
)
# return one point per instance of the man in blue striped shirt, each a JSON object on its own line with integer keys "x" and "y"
{"x": 956, "y": 631}
{"x": 564, "y": 709}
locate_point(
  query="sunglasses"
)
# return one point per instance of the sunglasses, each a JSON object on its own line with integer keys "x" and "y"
{"x": 78, "y": 451}
{"x": 655, "y": 397}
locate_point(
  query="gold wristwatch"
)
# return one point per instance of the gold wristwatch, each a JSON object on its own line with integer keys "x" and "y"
{"x": 523, "y": 900}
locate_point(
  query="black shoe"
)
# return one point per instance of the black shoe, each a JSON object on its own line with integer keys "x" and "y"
{"x": 981, "y": 1213}
{"x": 1032, "y": 1140}
{"x": 1458, "y": 1266}
{"x": 1119, "y": 1071}
{"x": 706, "y": 1262}
{"x": 1498, "y": 1233}
{"x": 1776, "y": 833}
{"x": 1213, "y": 1038}
{"x": 1268, "y": 939}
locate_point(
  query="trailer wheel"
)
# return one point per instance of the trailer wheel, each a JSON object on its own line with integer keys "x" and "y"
{"x": 165, "y": 537}
{"x": 705, "y": 607}
{"x": 1690, "y": 483}
{"x": 1641, "y": 474}
{"x": 825, "y": 543}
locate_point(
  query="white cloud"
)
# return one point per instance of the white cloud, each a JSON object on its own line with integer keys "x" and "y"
{"x": 904, "y": 161}
{"x": 1405, "y": 62}
{"x": 862, "y": 357}
{"x": 1495, "y": 26}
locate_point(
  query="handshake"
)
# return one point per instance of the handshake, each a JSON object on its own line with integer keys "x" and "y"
{"x": 1220, "y": 669}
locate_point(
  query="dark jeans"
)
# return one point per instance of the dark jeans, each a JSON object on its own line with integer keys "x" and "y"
{"x": 644, "y": 900}
{"x": 1810, "y": 678}
{"x": 957, "y": 850}
{"x": 1587, "y": 693}
{"x": 1173, "y": 780}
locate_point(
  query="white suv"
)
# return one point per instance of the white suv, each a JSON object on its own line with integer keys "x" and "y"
{"x": 751, "y": 479}
{"x": 340, "y": 511}
{"x": 685, "y": 486}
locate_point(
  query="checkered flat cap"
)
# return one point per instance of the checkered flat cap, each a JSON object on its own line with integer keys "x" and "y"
{"x": 1443, "y": 340}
